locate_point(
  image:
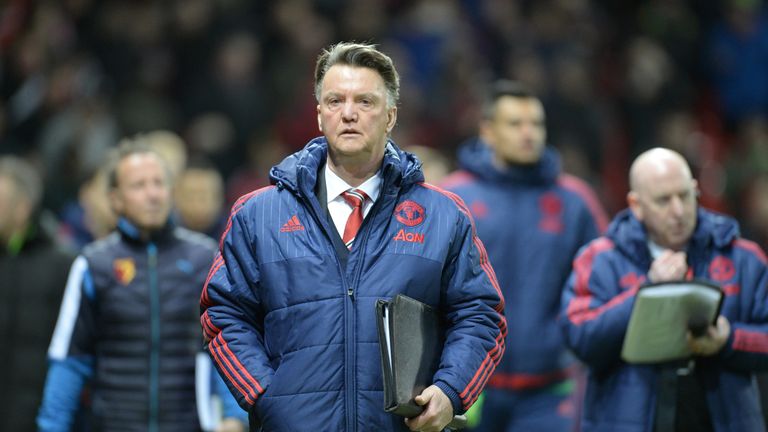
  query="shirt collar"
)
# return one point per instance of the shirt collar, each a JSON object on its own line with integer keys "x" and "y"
{"x": 335, "y": 185}
{"x": 655, "y": 249}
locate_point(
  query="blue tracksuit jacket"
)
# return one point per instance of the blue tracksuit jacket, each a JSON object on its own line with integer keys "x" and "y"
{"x": 598, "y": 301}
{"x": 291, "y": 324}
{"x": 533, "y": 220}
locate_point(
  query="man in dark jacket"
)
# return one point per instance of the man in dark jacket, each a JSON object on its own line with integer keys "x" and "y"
{"x": 128, "y": 318}
{"x": 289, "y": 302}
{"x": 666, "y": 236}
{"x": 32, "y": 268}
{"x": 533, "y": 219}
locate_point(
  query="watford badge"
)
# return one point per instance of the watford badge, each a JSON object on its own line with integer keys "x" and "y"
{"x": 125, "y": 270}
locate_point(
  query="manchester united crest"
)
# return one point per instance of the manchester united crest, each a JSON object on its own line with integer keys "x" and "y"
{"x": 721, "y": 269}
{"x": 409, "y": 213}
{"x": 124, "y": 269}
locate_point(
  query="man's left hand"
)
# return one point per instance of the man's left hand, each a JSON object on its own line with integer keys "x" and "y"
{"x": 713, "y": 341}
{"x": 438, "y": 411}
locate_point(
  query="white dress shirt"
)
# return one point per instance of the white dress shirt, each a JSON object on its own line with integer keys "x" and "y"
{"x": 338, "y": 207}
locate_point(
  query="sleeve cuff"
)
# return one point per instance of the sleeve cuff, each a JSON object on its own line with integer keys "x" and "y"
{"x": 452, "y": 395}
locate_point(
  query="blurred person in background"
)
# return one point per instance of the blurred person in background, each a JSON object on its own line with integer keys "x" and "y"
{"x": 434, "y": 164}
{"x": 533, "y": 218}
{"x": 199, "y": 198}
{"x": 665, "y": 235}
{"x": 90, "y": 216}
{"x": 128, "y": 320}
{"x": 170, "y": 146}
{"x": 32, "y": 268}
{"x": 737, "y": 58}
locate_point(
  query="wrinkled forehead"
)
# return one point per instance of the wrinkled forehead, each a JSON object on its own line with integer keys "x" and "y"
{"x": 359, "y": 78}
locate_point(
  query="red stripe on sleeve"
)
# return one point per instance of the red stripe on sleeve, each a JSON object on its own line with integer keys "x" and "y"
{"x": 237, "y": 206}
{"x": 582, "y": 265}
{"x": 486, "y": 361}
{"x": 752, "y": 247}
{"x": 224, "y": 365}
{"x": 218, "y": 262}
{"x": 579, "y": 316}
{"x": 478, "y": 381}
{"x": 240, "y": 367}
{"x": 749, "y": 341}
{"x": 578, "y": 310}
{"x": 210, "y": 330}
{"x": 582, "y": 189}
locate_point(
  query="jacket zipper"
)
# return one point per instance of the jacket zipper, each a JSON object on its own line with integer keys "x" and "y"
{"x": 350, "y": 350}
{"x": 154, "y": 352}
{"x": 351, "y": 388}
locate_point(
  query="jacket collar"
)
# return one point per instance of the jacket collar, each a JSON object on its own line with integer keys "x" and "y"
{"x": 712, "y": 230}
{"x": 300, "y": 171}
{"x": 131, "y": 232}
{"x": 476, "y": 157}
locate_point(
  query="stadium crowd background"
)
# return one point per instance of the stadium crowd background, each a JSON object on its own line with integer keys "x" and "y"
{"x": 233, "y": 79}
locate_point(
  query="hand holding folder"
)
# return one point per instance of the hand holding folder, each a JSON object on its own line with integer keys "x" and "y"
{"x": 411, "y": 339}
{"x": 663, "y": 314}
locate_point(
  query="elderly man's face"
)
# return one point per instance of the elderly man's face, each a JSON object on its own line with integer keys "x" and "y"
{"x": 665, "y": 201}
{"x": 353, "y": 113}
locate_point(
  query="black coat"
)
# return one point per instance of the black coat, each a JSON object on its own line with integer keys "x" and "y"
{"x": 31, "y": 286}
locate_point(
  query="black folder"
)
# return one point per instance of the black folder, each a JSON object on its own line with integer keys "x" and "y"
{"x": 411, "y": 338}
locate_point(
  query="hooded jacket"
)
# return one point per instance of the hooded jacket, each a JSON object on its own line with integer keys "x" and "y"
{"x": 597, "y": 304}
{"x": 291, "y": 320}
{"x": 532, "y": 219}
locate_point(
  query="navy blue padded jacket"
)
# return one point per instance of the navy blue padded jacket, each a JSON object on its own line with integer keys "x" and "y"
{"x": 597, "y": 304}
{"x": 292, "y": 326}
{"x": 533, "y": 219}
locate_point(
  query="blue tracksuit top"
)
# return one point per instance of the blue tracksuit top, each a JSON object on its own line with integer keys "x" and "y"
{"x": 597, "y": 304}
{"x": 532, "y": 220}
{"x": 292, "y": 326}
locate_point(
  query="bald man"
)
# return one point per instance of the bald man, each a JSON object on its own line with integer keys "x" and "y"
{"x": 665, "y": 236}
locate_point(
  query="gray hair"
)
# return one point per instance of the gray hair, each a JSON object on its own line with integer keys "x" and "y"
{"x": 25, "y": 178}
{"x": 359, "y": 55}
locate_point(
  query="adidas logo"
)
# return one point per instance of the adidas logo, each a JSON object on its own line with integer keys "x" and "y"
{"x": 292, "y": 225}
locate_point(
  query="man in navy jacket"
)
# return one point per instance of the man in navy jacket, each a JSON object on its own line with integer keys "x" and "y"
{"x": 666, "y": 236}
{"x": 128, "y": 321}
{"x": 533, "y": 219}
{"x": 288, "y": 306}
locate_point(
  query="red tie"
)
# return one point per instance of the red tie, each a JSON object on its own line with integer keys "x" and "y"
{"x": 355, "y": 198}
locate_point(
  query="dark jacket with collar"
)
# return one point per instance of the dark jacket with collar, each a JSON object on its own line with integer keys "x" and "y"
{"x": 31, "y": 286}
{"x": 598, "y": 301}
{"x": 291, "y": 323}
{"x": 128, "y": 322}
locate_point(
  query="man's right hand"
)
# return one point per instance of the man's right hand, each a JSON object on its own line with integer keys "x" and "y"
{"x": 669, "y": 266}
